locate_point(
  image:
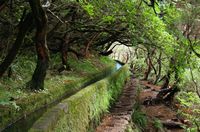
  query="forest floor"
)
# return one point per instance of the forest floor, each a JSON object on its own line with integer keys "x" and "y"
{"x": 160, "y": 117}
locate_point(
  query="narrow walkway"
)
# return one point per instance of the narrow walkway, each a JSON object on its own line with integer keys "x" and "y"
{"x": 120, "y": 114}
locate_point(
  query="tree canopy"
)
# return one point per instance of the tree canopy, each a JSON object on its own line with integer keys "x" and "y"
{"x": 163, "y": 35}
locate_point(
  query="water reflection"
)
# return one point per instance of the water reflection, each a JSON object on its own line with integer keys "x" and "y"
{"x": 118, "y": 65}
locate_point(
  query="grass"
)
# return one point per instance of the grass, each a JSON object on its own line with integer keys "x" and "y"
{"x": 88, "y": 104}
{"x": 138, "y": 117}
{"x": 16, "y": 100}
{"x": 158, "y": 125}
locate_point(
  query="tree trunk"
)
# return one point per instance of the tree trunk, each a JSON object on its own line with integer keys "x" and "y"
{"x": 170, "y": 71}
{"x": 64, "y": 53}
{"x": 24, "y": 26}
{"x": 159, "y": 68}
{"x": 166, "y": 82}
{"x": 39, "y": 74}
{"x": 67, "y": 39}
{"x": 89, "y": 42}
{"x": 150, "y": 65}
{"x": 195, "y": 83}
{"x": 147, "y": 72}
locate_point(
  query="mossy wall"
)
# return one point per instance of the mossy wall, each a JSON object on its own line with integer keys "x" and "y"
{"x": 75, "y": 113}
{"x": 40, "y": 99}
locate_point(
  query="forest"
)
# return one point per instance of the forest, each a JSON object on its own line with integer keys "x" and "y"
{"x": 51, "y": 50}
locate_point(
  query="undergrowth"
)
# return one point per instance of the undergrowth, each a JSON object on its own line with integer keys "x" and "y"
{"x": 158, "y": 125}
{"x": 89, "y": 104}
{"x": 13, "y": 90}
{"x": 23, "y": 67}
{"x": 189, "y": 107}
{"x": 139, "y": 117}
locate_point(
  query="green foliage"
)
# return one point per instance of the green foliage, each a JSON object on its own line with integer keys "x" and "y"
{"x": 22, "y": 69}
{"x": 163, "y": 32}
{"x": 89, "y": 8}
{"x": 158, "y": 125}
{"x": 107, "y": 60}
{"x": 88, "y": 104}
{"x": 132, "y": 128}
{"x": 138, "y": 117}
{"x": 108, "y": 19}
{"x": 16, "y": 100}
{"x": 171, "y": 18}
{"x": 11, "y": 89}
{"x": 86, "y": 65}
{"x": 5, "y": 99}
{"x": 187, "y": 81}
{"x": 190, "y": 108}
{"x": 188, "y": 99}
{"x": 139, "y": 66}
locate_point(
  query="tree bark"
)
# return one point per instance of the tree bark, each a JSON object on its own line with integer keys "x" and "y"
{"x": 24, "y": 26}
{"x": 40, "y": 17}
{"x": 64, "y": 52}
{"x": 159, "y": 68}
{"x": 194, "y": 81}
{"x": 166, "y": 81}
{"x": 66, "y": 44}
{"x": 147, "y": 72}
{"x": 170, "y": 71}
{"x": 150, "y": 65}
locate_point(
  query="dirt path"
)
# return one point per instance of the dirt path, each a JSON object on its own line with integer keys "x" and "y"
{"x": 160, "y": 112}
{"x": 120, "y": 114}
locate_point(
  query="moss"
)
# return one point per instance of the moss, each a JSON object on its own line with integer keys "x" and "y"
{"x": 88, "y": 104}
{"x": 36, "y": 100}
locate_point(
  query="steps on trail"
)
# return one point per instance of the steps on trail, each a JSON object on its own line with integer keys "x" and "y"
{"x": 120, "y": 113}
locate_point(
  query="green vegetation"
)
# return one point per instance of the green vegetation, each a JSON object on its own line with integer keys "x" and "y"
{"x": 85, "y": 106}
{"x": 132, "y": 128}
{"x": 158, "y": 125}
{"x": 24, "y": 102}
{"x": 47, "y": 44}
{"x": 189, "y": 108}
{"x": 138, "y": 117}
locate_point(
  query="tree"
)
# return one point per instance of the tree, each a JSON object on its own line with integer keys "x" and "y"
{"x": 40, "y": 18}
{"x": 24, "y": 26}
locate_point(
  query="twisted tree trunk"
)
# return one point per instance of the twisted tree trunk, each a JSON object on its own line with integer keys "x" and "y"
{"x": 172, "y": 66}
{"x": 40, "y": 17}
{"x": 150, "y": 64}
{"x": 159, "y": 68}
{"x": 24, "y": 26}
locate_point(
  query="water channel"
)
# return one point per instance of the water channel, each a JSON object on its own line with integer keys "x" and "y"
{"x": 26, "y": 122}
